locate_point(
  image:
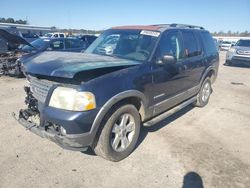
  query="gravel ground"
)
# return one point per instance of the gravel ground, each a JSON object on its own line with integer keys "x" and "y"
{"x": 196, "y": 147}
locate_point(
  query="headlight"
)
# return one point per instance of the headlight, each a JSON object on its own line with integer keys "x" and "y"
{"x": 70, "y": 99}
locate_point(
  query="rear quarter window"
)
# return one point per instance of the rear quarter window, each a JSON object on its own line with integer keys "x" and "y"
{"x": 208, "y": 43}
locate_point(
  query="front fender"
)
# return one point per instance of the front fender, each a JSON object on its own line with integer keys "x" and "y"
{"x": 112, "y": 101}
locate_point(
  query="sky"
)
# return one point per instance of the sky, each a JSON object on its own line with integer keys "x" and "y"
{"x": 214, "y": 15}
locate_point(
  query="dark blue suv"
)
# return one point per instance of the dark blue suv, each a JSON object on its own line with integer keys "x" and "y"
{"x": 129, "y": 76}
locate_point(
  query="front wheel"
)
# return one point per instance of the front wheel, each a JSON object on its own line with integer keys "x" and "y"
{"x": 204, "y": 93}
{"x": 119, "y": 134}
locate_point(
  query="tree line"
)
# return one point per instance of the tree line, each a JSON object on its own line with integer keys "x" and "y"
{"x": 220, "y": 33}
{"x": 12, "y": 20}
{"x": 232, "y": 34}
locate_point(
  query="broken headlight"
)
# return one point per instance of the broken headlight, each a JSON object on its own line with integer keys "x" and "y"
{"x": 71, "y": 99}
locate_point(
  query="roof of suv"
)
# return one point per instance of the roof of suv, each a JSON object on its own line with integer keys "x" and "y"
{"x": 158, "y": 27}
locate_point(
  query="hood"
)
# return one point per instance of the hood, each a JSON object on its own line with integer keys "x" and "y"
{"x": 69, "y": 64}
{"x": 242, "y": 48}
{"x": 14, "y": 39}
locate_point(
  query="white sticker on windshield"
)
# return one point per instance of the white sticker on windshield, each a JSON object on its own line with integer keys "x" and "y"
{"x": 150, "y": 33}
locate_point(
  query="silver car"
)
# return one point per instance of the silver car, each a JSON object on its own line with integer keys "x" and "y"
{"x": 239, "y": 53}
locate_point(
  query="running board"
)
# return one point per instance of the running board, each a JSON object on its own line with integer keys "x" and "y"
{"x": 169, "y": 112}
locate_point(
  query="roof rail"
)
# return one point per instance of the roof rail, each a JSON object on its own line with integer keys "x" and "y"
{"x": 186, "y": 25}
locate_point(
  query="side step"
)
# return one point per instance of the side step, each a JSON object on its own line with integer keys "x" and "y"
{"x": 169, "y": 112}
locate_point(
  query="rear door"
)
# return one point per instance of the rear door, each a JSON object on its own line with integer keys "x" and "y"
{"x": 193, "y": 58}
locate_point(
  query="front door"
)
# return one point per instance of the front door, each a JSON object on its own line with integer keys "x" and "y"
{"x": 173, "y": 82}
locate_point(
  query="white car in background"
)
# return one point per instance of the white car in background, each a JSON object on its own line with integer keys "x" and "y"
{"x": 225, "y": 45}
{"x": 239, "y": 53}
{"x": 54, "y": 35}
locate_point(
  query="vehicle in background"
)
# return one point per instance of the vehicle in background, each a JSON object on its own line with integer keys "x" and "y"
{"x": 12, "y": 62}
{"x": 225, "y": 45}
{"x": 54, "y": 35}
{"x": 3, "y": 45}
{"x": 9, "y": 57}
{"x": 87, "y": 39}
{"x": 216, "y": 44}
{"x": 30, "y": 36}
{"x": 239, "y": 53}
{"x": 101, "y": 98}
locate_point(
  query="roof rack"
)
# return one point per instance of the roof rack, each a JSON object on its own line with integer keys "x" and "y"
{"x": 186, "y": 25}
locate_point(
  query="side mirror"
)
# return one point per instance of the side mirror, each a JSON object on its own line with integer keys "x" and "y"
{"x": 167, "y": 59}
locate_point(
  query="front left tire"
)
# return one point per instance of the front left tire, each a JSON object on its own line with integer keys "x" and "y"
{"x": 119, "y": 133}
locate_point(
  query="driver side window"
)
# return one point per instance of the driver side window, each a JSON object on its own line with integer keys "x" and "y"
{"x": 170, "y": 44}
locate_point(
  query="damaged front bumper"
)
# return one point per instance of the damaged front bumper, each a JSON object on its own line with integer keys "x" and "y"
{"x": 62, "y": 141}
{"x": 61, "y": 127}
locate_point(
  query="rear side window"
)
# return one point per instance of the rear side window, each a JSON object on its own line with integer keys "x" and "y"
{"x": 61, "y": 35}
{"x": 73, "y": 43}
{"x": 208, "y": 43}
{"x": 191, "y": 46}
{"x": 57, "y": 45}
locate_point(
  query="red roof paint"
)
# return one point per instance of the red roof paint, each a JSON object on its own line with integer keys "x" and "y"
{"x": 140, "y": 27}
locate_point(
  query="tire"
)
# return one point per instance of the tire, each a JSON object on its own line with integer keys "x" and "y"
{"x": 204, "y": 93}
{"x": 229, "y": 63}
{"x": 111, "y": 143}
{"x": 18, "y": 73}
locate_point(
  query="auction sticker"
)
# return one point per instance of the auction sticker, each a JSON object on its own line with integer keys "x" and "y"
{"x": 150, "y": 33}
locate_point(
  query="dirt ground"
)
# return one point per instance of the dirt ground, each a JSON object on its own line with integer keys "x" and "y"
{"x": 197, "y": 147}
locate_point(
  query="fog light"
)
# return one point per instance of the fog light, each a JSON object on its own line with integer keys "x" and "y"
{"x": 63, "y": 131}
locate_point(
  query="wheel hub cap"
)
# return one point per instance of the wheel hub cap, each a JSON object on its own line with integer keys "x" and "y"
{"x": 123, "y": 132}
{"x": 206, "y": 92}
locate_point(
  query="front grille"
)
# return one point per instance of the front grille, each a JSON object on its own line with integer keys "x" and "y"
{"x": 40, "y": 88}
{"x": 243, "y": 52}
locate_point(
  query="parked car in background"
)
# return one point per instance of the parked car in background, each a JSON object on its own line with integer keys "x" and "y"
{"x": 3, "y": 45}
{"x": 100, "y": 98}
{"x": 12, "y": 62}
{"x": 225, "y": 45}
{"x": 8, "y": 58}
{"x": 216, "y": 44}
{"x": 54, "y": 35}
{"x": 239, "y": 53}
{"x": 87, "y": 39}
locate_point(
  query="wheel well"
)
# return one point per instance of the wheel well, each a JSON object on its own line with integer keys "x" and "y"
{"x": 211, "y": 75}
{"x": 137, "y": 102}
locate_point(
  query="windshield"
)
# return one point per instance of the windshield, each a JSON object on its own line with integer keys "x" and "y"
{"x": 245, "y": 43}
{"x": 129, "y": 44}
{"x": 226, "y": 42}
{"x": 37, "y": 44}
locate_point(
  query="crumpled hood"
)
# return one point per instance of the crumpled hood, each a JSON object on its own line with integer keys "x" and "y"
{"x": 68, "y": 64}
